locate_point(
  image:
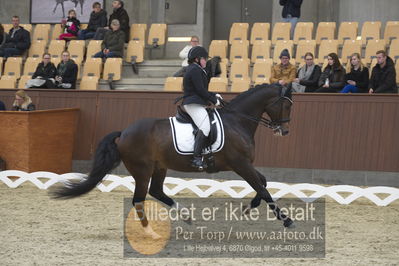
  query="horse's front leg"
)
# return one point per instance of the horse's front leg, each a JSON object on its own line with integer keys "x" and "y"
{"x": 245, "y": 169}
{"x": 255, "y": 202}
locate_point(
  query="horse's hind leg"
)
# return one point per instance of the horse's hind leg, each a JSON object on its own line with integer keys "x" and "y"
{"x": 142, "y": 175}
{"x": 249, "y": 173}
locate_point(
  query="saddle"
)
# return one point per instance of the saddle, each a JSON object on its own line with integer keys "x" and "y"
{"x": 183, "y": 117}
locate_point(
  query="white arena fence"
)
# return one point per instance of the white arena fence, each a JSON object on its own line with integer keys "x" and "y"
{"x": 234, "y": 188}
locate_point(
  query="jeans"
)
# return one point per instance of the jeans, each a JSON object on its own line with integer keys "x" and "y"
{"x": 293, "y": 22}
{"x": 102, "y": 55}
{"x": 350, "y": 88}
{"x": 85, "y": 34}
{"x": 9, "y": 52}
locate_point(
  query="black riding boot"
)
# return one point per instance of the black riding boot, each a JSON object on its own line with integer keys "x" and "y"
{"x": 199, "y": 145}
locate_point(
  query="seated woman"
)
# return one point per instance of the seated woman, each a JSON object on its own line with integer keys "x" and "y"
{"x": 333, "y": 77}
{"x": 22, "y": 102}
{"x": 71, "y": 27}
{"x": 308, "y": 76}
{"x": 357, "y": 76}
{"x": 44, "y": 74}
{"x": 113, "y": 43}
{"x": 67, "y": 72}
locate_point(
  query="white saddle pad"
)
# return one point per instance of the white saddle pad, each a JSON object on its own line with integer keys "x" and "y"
{"x": 183, "y": 137}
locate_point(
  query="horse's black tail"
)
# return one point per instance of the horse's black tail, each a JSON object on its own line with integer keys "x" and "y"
{"x": 107, "y": 158}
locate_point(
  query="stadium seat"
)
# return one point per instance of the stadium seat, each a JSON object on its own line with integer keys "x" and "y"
{"x": 239, "y": 49}
{"x": 304, "y": 46}
{"x": 112, "y": 69}
{"x": 371, "y": 30}
{"x": 303, "y": 31}
{"x": 57, "y": 30}
{"x": 13, "y": 67}
{"x": 8, "y": 82}
{"x": 41, "y": 32}
{"x": 239, "y": 69}
{"x": 218, "y": 48}
{"x": 218, "y": 84}
{"x": 1, "y": 66}
{"x": 22, "y": 81}
{"x": 238, "y": 32}
{"x": 84, "y": 26}
{"x": 93, "y": 48}
{"x": 89, "y": 83}
{"x": 37, "y": 48}
{"x": 56, "y": 60}
{"x": 223, "y": 67}
{"x": 347, "y": 31}
{"x": 56, "y": 48}
{"x": 350, "y": 47}
{"x": 281, "y": 45}
{"x": 31, "y": 65}
{"x": 157, "y": 35}
{"x": 391, "y": 31}
{"x": 372, "y": 47}
{"x": 240, "y": 85}
{"x": 281, "y": 31}
{"x": 394, "y": 49}
{"x": 373, "y": 64}
{"x": 135, "y": 52}
{"x": 27, "y": 27}
{"x": 325, "y": 31}
{"x": 260, "y": 32}
{"x": 93, "y": 67}
{"x": 76, "y": 48}
{"x": 327, "y": 47}
{"x": 7, "y": 27}
{"x": 173, "y": 84}
{"x": 137, "y": 32}
{"x": 262, "y": 71}
{"x": 261, "y": 50}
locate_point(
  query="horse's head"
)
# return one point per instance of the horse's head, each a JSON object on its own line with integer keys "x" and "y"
{"x": 278, "y": 108}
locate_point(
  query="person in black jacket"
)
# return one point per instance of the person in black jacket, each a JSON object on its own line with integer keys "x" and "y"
{"x": 291, "y": 12}
{"x": 71, "y": 26}
{"x": 98, "y": 19}
{"x": 196, "y": 98}
{"x": 44, "y": 76}
{"x": 383, "y": 76}
{"x": 18, "y": 41}
{"x": 67, "y": 72}
{"x": 2, "y": 106}
{"x": 308, "y": 76}
{"x": 333, "y": 77}
{"x": 114, "y": 42}
{"x": 3, "y": 36}
{"x": 357, "y": 76}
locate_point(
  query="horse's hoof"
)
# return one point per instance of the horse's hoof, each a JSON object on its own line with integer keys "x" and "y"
{"x": 288, "y": 223}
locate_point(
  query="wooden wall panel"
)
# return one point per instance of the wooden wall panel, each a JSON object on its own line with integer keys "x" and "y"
{"x": 330, "y": 131}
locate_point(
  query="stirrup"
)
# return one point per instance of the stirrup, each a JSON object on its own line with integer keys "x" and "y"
{"x": 198, "y": 163}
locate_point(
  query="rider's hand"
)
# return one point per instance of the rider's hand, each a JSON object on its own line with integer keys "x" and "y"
{"x": 219, "y": 96}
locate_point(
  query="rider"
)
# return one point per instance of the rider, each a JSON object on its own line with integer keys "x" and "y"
{"x": 196, "y": 98}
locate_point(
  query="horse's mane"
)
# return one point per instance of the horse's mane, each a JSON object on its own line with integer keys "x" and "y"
{"x": 249, "y": 92}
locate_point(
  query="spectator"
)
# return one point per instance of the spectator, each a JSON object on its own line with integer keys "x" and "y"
{"x": 184, "y": 54}
{"x": 333, "y": 77}
{"x": 71, "y": 26}
{"x": 18, "y": 41}
{"x": 114, "y": 42}
{"x": 357, "y": 76}
{"x": 2, "y": 106}
{"x": 67, "y": 72}
{"x": 291, "y": 13}
{"x": 44, "y": 76}
{"x": 98, "y": 19}
{"x": 283, "y": 73}
{"x": 308, "y": 76}
{"x": 3, "y": 36}
{"x": 383, "y": 76}
{"x": 22, "y": 102}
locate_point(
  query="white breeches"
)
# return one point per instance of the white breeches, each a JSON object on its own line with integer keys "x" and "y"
{"x": 200, "y": 117}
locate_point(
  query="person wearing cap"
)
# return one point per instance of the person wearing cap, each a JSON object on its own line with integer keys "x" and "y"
{"x": 196, "y": 98}
{"x": 113, "y": 43}
{"x": 22, "y": 102}
{"x": 283, "y": 73}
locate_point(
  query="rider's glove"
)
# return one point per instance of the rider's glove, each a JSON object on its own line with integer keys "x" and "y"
{"x": 217, "y": 102}
{"x": 218, "y": 96}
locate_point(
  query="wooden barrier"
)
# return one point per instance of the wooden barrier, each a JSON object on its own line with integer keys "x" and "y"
{"x": 327, "y": 131}
{"x": 38, "y": 140}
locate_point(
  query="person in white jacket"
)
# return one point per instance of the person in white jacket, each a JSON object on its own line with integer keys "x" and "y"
{"x": 184, "y": 54}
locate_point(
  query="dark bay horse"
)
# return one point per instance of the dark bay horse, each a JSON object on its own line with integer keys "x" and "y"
{"x": 147, "y": 150}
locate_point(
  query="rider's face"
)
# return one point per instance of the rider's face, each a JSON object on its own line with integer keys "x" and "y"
{"x": 203, "y": 62}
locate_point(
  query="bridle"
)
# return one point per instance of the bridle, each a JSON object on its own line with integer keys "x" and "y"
{"x": 272, "y": 124}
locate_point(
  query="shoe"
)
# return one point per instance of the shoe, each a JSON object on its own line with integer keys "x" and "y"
{"x": 200, "y": 142}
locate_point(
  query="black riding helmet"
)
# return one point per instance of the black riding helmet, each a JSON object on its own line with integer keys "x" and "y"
{"x": 197, "y": 52}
